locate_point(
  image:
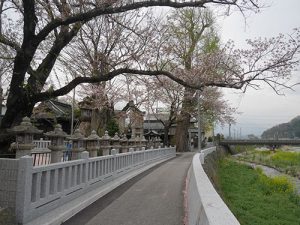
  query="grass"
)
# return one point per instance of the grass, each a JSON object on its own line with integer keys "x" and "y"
{"x": 256, "y": 199}
{"x": 288, "y": 162}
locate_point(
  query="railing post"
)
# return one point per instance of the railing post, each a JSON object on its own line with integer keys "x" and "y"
{"x": 114, "y": 152}
{"x": 144, "y": 153}
{"x": 131, "y": 152}
{"x": 24, "y": 182}
{"x": 85, "y": 173}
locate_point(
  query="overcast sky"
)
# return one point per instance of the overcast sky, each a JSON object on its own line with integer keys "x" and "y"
{"x": 262, "y": 109}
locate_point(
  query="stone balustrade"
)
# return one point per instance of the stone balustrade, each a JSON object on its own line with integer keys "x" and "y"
{"x": 55, "y": 192}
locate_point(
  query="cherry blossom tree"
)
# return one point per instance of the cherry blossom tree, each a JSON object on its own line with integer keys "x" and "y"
{"x": 37, "y": 32}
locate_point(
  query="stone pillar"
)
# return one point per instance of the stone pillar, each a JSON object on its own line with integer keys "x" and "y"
{"x": 57, "y": 146}
{"x": 115, "y": 143}
{"x": 92, "y": 144}
{"x": 105, "y": 144}
{"x": 77, "y": 144}
{"x": 24, "y": 137}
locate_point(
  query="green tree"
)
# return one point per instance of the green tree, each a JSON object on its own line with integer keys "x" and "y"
{"x": 36, "y": 32}
{"x": 112, "y": 127}
{"x": 193, "y": 32}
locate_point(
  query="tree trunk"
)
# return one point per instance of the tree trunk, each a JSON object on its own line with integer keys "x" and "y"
{"x": 166, "y": 135}
{"x": 17, "y": 108}
{"x": 183, "y": 121}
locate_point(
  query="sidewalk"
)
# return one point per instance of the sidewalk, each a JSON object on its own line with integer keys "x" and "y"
{"x": 154, "y": 197}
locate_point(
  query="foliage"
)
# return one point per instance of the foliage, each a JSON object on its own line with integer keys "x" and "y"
{"x": 243, "y": 148}
{"x": 77, "y": 113}
{"x": 278, "y": 184}
{"x": 284, "y": 130}
{"x": 256, "y": 199}
{"x": 112, "y": 127}
{"x": 35, "y": 35}
{"x": 288, "y": 162}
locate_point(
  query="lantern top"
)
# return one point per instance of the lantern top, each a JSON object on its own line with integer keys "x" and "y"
{"x": 106, "y": 136}
{"x": 137, "y": 138}
{"x": 25, "y": 127}
{"x": 57, "y": 132}
{"x": 93, "y": 136}
{"x": 116, "y": 137}
{"x": 76, "y": 136}
{"x": 124, "y": 138}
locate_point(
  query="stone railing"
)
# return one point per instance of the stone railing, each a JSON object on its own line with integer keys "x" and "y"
{"x": 205, "y": 206}
{"x": 42, "y": 189}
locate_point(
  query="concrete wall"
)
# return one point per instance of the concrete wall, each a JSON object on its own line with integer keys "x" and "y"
{"x": 205, "y": 206}
{"x": 8, "y": 182}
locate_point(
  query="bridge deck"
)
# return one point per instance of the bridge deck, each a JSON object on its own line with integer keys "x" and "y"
{"x": 155, "y": 197}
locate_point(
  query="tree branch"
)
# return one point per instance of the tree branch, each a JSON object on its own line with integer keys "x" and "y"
{"x": 105, "y": 77}
{"x": 86, "y": 16}
{"x": 9, "y": 43}
{"x": 30, "y": 21}
{"x": 38, "y": 78}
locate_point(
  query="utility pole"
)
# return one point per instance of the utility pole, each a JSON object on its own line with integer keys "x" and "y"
{"x": 199, "y": 122}
{"x": 229, "y": 130}
{"x": 72, "y": 118}
{"x": 1, "y": 97}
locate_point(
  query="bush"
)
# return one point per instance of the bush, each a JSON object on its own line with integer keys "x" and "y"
{"x": 112, "y": 127}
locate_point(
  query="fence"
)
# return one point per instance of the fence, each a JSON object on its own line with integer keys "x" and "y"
{"x": 43, "y": 188}
{"x": 41, "y": 144}
{"x": 40, "y": 153}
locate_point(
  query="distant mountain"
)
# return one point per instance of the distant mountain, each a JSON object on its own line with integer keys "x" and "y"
{"x": 284, "y": 130}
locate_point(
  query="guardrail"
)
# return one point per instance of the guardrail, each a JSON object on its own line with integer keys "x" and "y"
{"x": 205, "y": 206}
{"x": 260, "y": 142}
{"x": 44, "y": 188}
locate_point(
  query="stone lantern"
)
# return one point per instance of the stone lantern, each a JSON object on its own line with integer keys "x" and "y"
{"x": 143, "y": 142}
{"x": 77, "y": 144}
{"x": 57, "y": 137}
{"x": 24, "y": 137}
{"x": 138, "y": 143}
{"x": 115, "y": 142}
{"x": 131, "y": 143}
{"x": 92, "y": 144}
{"x": 124, "y": 144}
{"x": 105, "y": 144}
{"x": 156, "y": 142}
{"x": 85, "y": 114}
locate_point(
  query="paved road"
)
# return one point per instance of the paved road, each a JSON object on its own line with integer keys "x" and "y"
{"x": 153, "y": 198}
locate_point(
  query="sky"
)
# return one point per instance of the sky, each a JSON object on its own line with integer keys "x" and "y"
{"x": 262, "y": 109}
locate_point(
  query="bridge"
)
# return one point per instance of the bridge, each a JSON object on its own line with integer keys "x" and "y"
{"x": 142, "y": 187}
{"x": 269, "y": 142}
